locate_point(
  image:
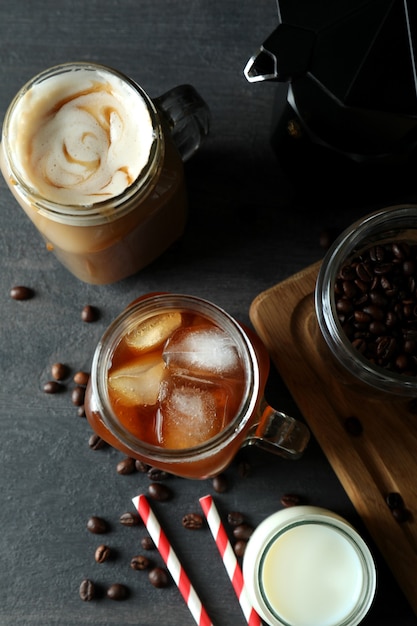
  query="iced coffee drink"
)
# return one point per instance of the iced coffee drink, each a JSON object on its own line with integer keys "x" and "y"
{"x": 86, "y": 154}
{"x": 178, "y": 384}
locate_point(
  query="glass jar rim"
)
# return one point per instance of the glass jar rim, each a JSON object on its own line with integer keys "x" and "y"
{"x": 389, "y": 222}
{"x": 97, "y": 212}
{"x": 148, "y": 307}
{"x": 280, "y": 522}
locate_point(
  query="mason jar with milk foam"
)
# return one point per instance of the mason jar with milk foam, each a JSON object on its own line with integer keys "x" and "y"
{"x": 98, "y": 166}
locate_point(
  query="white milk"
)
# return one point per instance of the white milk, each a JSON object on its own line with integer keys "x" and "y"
{"x": 305, "y": 566}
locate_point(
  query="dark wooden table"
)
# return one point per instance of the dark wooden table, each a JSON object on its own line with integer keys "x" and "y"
{"x": 250, "y": 226}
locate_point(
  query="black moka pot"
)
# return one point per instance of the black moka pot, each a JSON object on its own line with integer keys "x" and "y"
{"x": 351, "y": 69}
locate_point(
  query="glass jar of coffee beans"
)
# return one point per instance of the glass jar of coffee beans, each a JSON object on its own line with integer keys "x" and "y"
{"x": 366, "y": 301}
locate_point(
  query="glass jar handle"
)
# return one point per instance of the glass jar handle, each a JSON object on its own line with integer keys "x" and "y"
{"x": 279, "y": 433}
{"x": 188, "y": 118}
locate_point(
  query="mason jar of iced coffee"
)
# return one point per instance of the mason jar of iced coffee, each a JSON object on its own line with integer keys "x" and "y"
{"x": 92, "y": 161}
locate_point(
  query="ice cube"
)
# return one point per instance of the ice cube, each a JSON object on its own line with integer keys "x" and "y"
{"x": 190, "y": 413}
{"x": 202, "y": 350}
{"x": 138, "y": 382}
{"x": 153, "y": 331}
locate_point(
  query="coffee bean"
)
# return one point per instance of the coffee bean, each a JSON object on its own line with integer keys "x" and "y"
{"x": 353, "y": 426}
{"x": 81, "y": 378}
{"x": 192, "y": 521}
{"x": 87, "y": 590}
{"x": 156, "y": 474}
{"x": 81, "y": 411}
{"x": 97, "y": 525}
{"x": 239, "y": 547}
{"x": 147, "y": 543}
{"x": 290, "y": 499}
{"x": 89, "y": 314}
{"x": 102, "y": 553}
{"x": 158, "y": 576}
{"x": 220, "y": 483}
{"x": 159, "y": 491}
{"x": 235, "y": 518}
{"x": 140, "y": 466}
{"x": 78, "y": 395}
{"x": 20, "y": 292}
{"x": 401, "y": 514}
{"x": 394, "y": 500}
{"x": 126, "y": 466}
{"x": 53, "y": 386}
{"x": 59, "y": 371}
{"x": 96, "y": 443}
{"x": 244, "y": 468}
{"x": 243, "y": 531}
{"x": 117, "y": 592}
{"x": 139, "y": 562}
{"x": 129, "y": 519}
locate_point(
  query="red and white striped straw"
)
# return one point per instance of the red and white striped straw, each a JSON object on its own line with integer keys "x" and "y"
{"x": 171, "y": 561}
{"x": 229, "y": 559}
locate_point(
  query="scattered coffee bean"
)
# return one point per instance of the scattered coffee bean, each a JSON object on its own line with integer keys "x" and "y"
{"x": 147, "y": 543}
{"x": 240, "y": 547}
{"x": 129, "y": 519}
{"x": 235, "y": 518}
{"x": 353, "y": 426}
{"x": 159, "y": 491}
{"x": 220, "y": 483}
{"x": 81, "y": 411}
{"x": 126, "y": 466}
{"x": 401, "y": 514}
{"x": 81, "y": 378}
{"x": 102, "y": 553}
{"x": 140, "y": 562}
{"x": 19, "y": 292}
{"x": 158, "y": 576}
{"x": 290, "y": 499}
{"x": 140, "y": 466}
{"x": 96, "y": 443}
{"x": 243, "y": 531}
{"x": 156, "y": 474}
{"x": 78, "y": 395}
{"x": 87, "y": 590}
{"x": 117, "y": 592}
{"x": 97, "y": 525}
{"x": 59, "y": 371}
{"x": 89, "y": 314}
{"x": 394, "y": 500}
{"x": 192, "y": 521}
{"x": 244, "y": 469}
{"x": 53, "y": 386}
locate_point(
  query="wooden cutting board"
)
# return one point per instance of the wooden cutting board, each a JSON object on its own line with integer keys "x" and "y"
{"x": 382, "y": 459}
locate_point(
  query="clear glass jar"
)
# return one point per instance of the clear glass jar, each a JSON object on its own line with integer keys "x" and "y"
{"x": 92, "y": 118}
{"x": 252, "y": 422}
{"x": 396, "y": 223}
{"x": 307, "y": 566}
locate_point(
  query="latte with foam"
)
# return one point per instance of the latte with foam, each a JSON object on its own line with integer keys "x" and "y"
{"x": 80, "y": 137}
{"x": 92, "y": 161}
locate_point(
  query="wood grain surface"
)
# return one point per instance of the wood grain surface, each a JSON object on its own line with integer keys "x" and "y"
{"x": 380, "y": 460}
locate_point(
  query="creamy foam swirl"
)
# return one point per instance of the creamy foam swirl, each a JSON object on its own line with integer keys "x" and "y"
{"x": 81, "y": 137}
